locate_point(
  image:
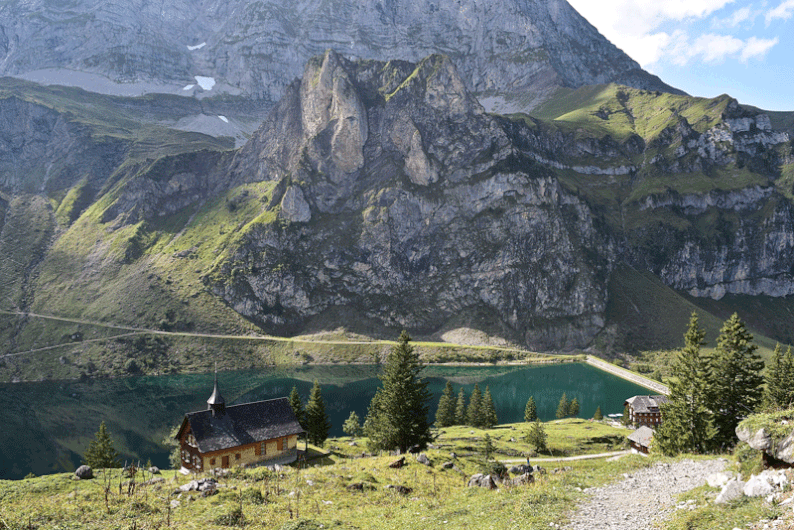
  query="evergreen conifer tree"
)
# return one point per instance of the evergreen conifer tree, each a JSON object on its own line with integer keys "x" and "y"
{"x": 445, "y": 415}
{"x": 488, "y": 447}
{"x": 563, "y": 407}
{"x": 460, "y": 408}
{"x": 488, "y": 410}
{"x": 101, "y": 453}
{"x": 735, "y": 383}
{"x": 474, "y": 414}
{"x": 537, "y": 435}
{"x": 531, "y": 410}
{"x": 686, "y": 419}
{"x": 399, "y": 411}
{"x": 598, "y": 416}
{"x": 352, "y": 425}
{"x": 317, "y": 422}
{"x": 779, "y": 391}
{"x": 573, "y": 408}
{"x": 297, "y": 406}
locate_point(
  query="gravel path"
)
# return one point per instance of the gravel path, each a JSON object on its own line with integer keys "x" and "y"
{"x": 642, "y": 498}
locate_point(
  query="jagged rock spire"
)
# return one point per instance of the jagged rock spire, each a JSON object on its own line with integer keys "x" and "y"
{"x": 216, "y": 403}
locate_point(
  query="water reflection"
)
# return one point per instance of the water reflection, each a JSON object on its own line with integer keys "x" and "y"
{"x": 47, "y": 426}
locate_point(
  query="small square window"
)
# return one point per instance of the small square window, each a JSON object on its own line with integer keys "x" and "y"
{"x": 237, "y": 456}
{"x": 212, "y": 461}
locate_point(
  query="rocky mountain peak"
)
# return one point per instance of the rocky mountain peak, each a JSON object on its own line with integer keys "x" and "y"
{"x": 511, "y": 54}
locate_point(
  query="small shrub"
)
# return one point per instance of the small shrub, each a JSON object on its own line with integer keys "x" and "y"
{"x": 231, "y": 516}
{"x": 252, "y": 496}
{"x": 493, "y": 468}
{"x": 748, "y": 459}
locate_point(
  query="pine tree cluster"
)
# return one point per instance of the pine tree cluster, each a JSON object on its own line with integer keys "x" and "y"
{"x": 567, "y": 409}
{"x": 480, "y": 411}
{"x": 710, "y": 395}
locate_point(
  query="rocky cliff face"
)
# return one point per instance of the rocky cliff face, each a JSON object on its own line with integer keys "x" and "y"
{"x": 504, "y": 50}
{"x": 401, "y": 198}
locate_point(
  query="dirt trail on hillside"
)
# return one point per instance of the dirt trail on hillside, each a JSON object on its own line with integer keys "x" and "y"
{"x": 641, "y": 498}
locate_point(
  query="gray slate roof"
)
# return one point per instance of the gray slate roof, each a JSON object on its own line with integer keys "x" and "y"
{"x": 243, "y": 424}
{"x": 645, "y": 404}
{"x": 642, "y": 436}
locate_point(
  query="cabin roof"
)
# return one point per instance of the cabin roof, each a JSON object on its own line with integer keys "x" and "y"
{"x": 242, "y": 424}
{"x": 644, "y": 404}
{"x": 642, "y": 436}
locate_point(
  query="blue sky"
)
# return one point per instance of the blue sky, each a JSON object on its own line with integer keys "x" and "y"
{"x": 707, "y": 47}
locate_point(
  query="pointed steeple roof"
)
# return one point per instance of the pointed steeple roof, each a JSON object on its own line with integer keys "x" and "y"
{"x": 216, "y": 403}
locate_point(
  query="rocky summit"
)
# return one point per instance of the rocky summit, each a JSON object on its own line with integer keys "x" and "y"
{"x": 513, "y": 54}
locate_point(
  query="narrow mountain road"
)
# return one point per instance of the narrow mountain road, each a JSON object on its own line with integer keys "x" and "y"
{"x": 131, "y": 330}
{"x": 642, "y": 498}
{"x": 567, "y": 458}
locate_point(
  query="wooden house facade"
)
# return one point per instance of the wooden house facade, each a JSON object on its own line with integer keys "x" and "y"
{"x": 644, "y": 410}
{"x": 250, "y": 433}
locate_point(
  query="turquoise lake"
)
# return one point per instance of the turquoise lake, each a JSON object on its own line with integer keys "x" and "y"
{"x": 47, "y": 426}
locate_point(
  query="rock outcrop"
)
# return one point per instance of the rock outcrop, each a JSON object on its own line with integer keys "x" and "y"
{"x": 772, "y": 434}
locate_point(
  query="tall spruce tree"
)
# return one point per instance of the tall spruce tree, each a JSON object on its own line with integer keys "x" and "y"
{"x": 460, "y": 408}
{"x": 779, "y": 391}
{"x": 563, "y": 407}
{"x": 530, "y": 410}
{"x": 297, "y": 406}
{"x": 489, "y": 410}
{"x": 537, "y": 435}
{"x": 445, "y": 415}
{"x": 735, "y": 384}
{"x": 573, "y": 408}
{"x": 598, "y": 416}
{"x": 399, "y": 411}
{"x": 101, "y": 453}
{"x": 474, "y": 414}
{"x": 317, "y": 422}
{"x": 687, "y": 422}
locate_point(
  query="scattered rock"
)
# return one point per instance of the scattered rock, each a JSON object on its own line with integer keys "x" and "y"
{"x": 718, "y": 480}
{"x": 540, "y": 470}
{"x": 397, "y": 464}
{"x": 453, "y": 455}
{"x": 423, "y": 459}
{"x": 482, "y": 481}
{"x": 353, "y": 444}
{"x": 414, "y": 449}
{"x": 404, "y": 490}
{"x": 154, "y": 470}
{"x": 175, "y": 503}
{"x": 731, "y": 491}
{"x": 521, "y": 480}
{"x": 358, "y": 486}
{"x": 447, "y": 465}
{"x": 203, "y": 485}
{"x": 84, "y": 472}
{"x": 523, "y": 469}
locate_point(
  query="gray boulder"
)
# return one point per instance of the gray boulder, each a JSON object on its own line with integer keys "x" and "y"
{"x": 423, "y": 459}
{"x": 447, "y": 465}
{"x": 84, "y": 472}
{"x": 482, "y": 481}
{"x": 731, "y": 492}
{"x": 718, "y": 480}
{"x": 521, "y": 470}
{"x": 758, "y": 486}
{"x": 521, "y": 480}
{"x": 154, "y": 470}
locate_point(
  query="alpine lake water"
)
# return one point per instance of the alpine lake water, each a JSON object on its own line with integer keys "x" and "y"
{"x": 47, "y": 426}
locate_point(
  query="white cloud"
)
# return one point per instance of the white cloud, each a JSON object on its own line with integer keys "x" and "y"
{"x": 714, "y": 48}
{"x": 783, "y": 11}
{"x": 633, "y": 25}
{"x": 641, "y": 29}
{"x": 737, "y": 17}
{"x": 756, "y": 47}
